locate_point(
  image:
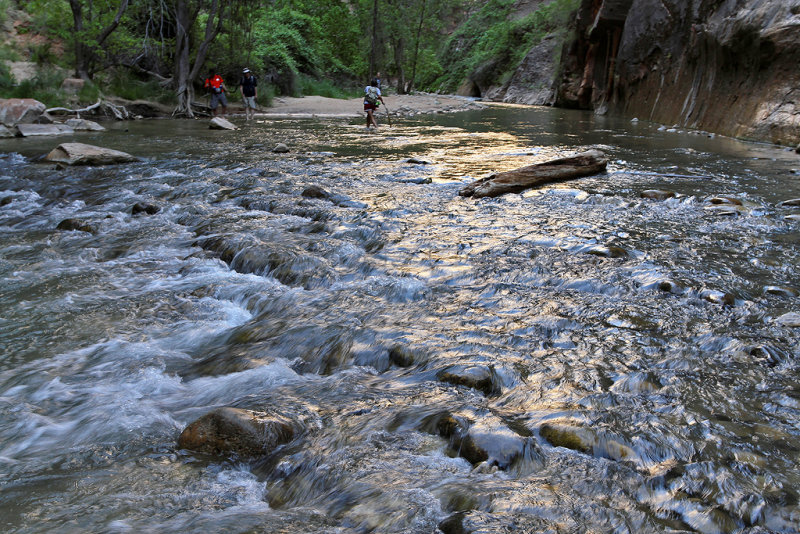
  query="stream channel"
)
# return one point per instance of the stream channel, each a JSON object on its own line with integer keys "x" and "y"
{"x": 615, "y": 363}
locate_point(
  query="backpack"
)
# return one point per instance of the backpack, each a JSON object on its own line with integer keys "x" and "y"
{"x": 372, "y": 95}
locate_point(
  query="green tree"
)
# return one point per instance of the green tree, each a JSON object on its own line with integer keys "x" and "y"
{"x": 93, "y": 23}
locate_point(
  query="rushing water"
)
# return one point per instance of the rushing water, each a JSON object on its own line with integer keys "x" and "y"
{"x": 642, "y": 355}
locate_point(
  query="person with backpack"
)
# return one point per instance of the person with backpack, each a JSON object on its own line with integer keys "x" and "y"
{"x": 248, "y": 87}
{"x": 216, "y": 85}
{"x": 372, "y": 95}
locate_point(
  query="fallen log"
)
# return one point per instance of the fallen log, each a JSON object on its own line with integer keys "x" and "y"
{"x": 119, "y": 112}
{"x": 583, "y": 164}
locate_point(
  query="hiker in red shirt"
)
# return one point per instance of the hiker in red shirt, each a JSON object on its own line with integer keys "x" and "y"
{"x": 216, "y": 85}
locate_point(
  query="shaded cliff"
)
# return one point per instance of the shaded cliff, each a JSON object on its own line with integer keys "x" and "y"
{"x": 726, "y": 66}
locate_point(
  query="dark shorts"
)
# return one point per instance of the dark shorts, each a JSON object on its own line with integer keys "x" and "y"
{"x": 370, "y": 107}
{"x": 218, "y": 98}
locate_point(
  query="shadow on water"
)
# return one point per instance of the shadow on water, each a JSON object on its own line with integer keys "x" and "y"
{"x": 574, "y": 358}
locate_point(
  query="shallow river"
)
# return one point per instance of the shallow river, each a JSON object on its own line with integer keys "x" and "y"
{"x": 636, "y": 359}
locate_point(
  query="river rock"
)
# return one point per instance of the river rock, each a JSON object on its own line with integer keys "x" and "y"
{"x": 244, "y": 433}
{"x": 657, "y": 194}
{"x": 608, "y": 252}
{"x": 781, "y": 291}
{"x": 724, "y": 200}
{"x": 15, "y": 111}
{"x": 315, "y": 191}
{"x": 403, "y": 357}
{"x": 83, "y": 154}
{"x": 489, "y": 440}
{"x": 143, "y": 207}
{"x": 218, "y": 123}
{"x": 793, "y": 217}
{"x": 31, "y": 130}
{"x": 76, "y": 224}
{"x": 718, "y": 297}
{"x": 6, "y": 133}
{"x": 84, "y": 125}
{"x": 792, "y": 202}
{"x": 791, "y": 319}
{"x": 486, "y": 440}
{"x": 569, "y": 435}
{"x": 280, "y": 148}
{"x": 478, "y": 377}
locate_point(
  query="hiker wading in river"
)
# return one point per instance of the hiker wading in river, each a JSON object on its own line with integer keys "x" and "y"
{"x": 372, "y": 95}
{"x": 216, "y": 86}
{"x": 249, "y": 93}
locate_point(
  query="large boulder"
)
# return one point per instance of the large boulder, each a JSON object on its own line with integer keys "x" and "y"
{"x": 244, "y": 433}
{"x": 218, "y": 123}
{"x": 15, "y": 111}
{"x": 83, "y": 154}
{"x": 5, "y": 132}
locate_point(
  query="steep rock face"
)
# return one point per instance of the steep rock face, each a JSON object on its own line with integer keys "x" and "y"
{"x": 727, "y": 66}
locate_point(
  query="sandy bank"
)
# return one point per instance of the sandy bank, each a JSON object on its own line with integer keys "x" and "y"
{"x": 319, "y": 106}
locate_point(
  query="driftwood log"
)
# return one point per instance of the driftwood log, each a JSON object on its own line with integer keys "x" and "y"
{"x": 118, "y": 112}
{"x": 583, "y": 164}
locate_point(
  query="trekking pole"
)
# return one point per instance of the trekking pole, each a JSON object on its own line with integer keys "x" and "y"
{"x": 388, "y": 117}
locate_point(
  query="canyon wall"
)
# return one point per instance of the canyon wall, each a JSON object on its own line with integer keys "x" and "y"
{"x": 724, "y": 66}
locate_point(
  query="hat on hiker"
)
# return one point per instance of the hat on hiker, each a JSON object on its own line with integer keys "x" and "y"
{"x": 245, "y": 71}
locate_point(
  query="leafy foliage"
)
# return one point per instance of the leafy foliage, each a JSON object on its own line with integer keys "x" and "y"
{"x": 495, "y": 52}
{"x": 326, "y": 47}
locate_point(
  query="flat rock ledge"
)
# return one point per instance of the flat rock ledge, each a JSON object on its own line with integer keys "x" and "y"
{"x": 83, "y": 154}
{"x": 583, "y": 164}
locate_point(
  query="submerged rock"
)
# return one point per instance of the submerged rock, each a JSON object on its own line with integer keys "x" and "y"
{"x": 782, "y": 291}
{"x": 724, "y": 200}
{"x": 718, "y": 297}
{"x": 791, "y": 319}
{"x": 315, "y": 191}
{"x": 608, "y": 252}
{"x": 76, "y": 225}
{"x": 657, "y": 194}
{"x": 486, "y": 440}
{"x": 280, "y": 148}
{"x": 478, "y": 377}
{"x": 571, "y": 435}
{"x": 143, "y": 207}
{"x": 791, "y": 202}
{"x": 235, "y": 431}
{"x": 403, "y": 357}
{"x": 83, "y": 154}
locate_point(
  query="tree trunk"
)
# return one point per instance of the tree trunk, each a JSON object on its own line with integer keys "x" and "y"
{"x": 518, "y": 180}
{"x": 81, "y": 52}
{"x": 186, "y": 72}
{"x": 399, "y": 52}
{"x": 183, "y": 85}
{"x": 374, "y": 42}
{"x": 416, "y": 48}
